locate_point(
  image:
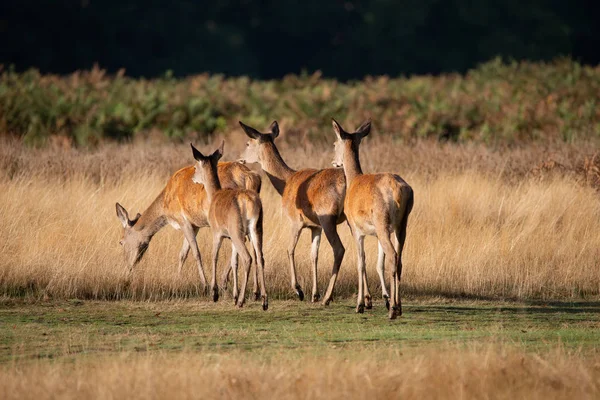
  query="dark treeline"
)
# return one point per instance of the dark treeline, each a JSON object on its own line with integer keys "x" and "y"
{"x": 345, "y": 39}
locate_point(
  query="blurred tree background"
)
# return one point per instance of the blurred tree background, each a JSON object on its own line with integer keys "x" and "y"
{"x": 345, "y": 39}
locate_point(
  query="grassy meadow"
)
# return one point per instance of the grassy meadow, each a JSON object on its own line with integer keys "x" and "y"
{"x": 501, "y": 278}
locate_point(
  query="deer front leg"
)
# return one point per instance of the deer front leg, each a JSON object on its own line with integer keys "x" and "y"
{"x": 190, "y": 235}
{"x": 183, "y": 253}
{"x": 295, "y": 234}
{"x": 329, "y": 227}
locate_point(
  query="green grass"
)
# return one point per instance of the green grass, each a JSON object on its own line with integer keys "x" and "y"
{"x": 69, "y": 329}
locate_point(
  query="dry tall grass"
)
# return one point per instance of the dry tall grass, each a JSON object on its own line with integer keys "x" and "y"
{"x": 490, "y": 372}
{"x": 484, "y": 224}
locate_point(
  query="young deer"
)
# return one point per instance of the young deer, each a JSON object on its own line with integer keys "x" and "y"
{"x": 311, "y": 198}
{"x": 377, "y": 205}
{"x": 184, "y": 205}
{"x": 233, "y": 213}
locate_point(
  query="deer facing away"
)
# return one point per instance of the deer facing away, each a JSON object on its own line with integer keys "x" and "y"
{"x": 184, "y": 205}
{"x": 376, "y": 205}
{"x": 233, "y": 213}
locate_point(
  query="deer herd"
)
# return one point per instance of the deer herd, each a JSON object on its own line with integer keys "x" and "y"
{"x": 226, "y": 197}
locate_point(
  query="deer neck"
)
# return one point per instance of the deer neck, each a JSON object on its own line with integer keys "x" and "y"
{"x": 153, "y": 218}
{"x": 275, "y": 168}
{"x": 211, "y": 183}
{"x": 352, "y": 167}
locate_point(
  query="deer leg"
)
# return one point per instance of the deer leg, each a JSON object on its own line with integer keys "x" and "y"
{"x": 183, "y": 253}
{"x": 392, "y": 259}
{"x": 314, "y": 258}
{"x": 217, "y": 240}
{"x": 329, "y": 227}
{"x": 400, "y": 238}
{"x": 190, "y": 235}
{"x": 367, "y": 294}
{"x": 255, "y": 290}
{"x": 246, "y": 259}
{"x": 256, "y": 237}
{"x": 225, "y": 278}
{"x": 295, "y": 234}
{"x": 360, "y": 247}
{"x": 381, "y": 272}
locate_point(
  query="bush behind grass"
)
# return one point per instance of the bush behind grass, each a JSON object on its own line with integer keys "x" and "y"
{"x": 494, "y": 103}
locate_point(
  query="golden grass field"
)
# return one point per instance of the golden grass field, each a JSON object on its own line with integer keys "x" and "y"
{"x": 489, "y": 372}
{"x": 496, "y": 224}
{"x": 486, "y": 223}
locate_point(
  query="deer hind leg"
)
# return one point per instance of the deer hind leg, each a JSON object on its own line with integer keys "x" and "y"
{"x": 381, "y": 272}
{"x": 329, "y": 227}
{"x": 217, "y": 241}
{"x": 360, "y": 248}
{"x": 367, "y": 294}
{"x": 383, "y": 235}
{"x": 256, "y": 237}
{"x": 190, "y": 234}
{"x": 295, "y": 234}
{"x": 255, "y": 284}
{"x": 314, "y": 258}
{"x": 238, "y": 241}
{"x": 234, "y": 261}
{"x": 399, "y": 239}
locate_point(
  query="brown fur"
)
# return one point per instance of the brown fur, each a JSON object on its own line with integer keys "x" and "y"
{"x": 184, "y": 205}
{"x": 310, "y": 198}
{"x": 376, "y": 205}
{"x": 234, "y": 214}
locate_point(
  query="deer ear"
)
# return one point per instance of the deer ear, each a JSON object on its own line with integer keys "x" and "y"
{"x": 251, "y": 132}
{"x": 339, "y": 131}
{"x": 274, "y": 128}
{"x": 218, "y": 153}
{"x": 197, "y": 155}
{"x": 122, "y": 215}
{"x": 363, "y": 130}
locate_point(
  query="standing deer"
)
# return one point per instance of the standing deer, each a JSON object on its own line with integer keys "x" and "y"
{"x": 235, "y": 214}
{"x": 376, "y": 205}
{"x": 184, "y": 205}
{"x": 311, "y": 198}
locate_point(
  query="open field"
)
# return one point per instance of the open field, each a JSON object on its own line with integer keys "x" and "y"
{"x": 298, "y": 350}
{"x": 486, "y": 223}
{"x": 501, "y": 282}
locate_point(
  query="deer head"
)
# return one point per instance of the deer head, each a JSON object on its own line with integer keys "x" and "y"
{"x": 133, "y": 241}
{"x": 206, "y": 164}
{"x": 252, "y": 153}
{"x": 347, "y": 139}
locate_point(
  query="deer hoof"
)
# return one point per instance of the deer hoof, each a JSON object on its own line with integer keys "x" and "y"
{"x": 360, "y": 308}
{"x": 300, "y": 293}
{"x": 256, "y": 296}
{"x": 316, "y": 297}
{"x": 265, "y": 303}
{"x": 215, "y": 294}
{"x": 393, "y": 313}
{"x": 240, "y": 304}
{"x": 368, "y": 302}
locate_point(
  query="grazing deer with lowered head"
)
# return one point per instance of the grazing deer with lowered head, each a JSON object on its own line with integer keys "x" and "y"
{"x": 184, "y": 205}
{"x": 376, "y": 205}
{"x": 233, "y": 213}
{"x": 311, "y": 198}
